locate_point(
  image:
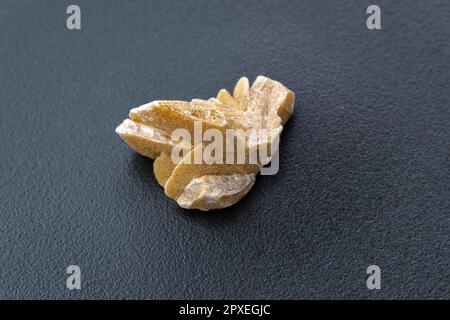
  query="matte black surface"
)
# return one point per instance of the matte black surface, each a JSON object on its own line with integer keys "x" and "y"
{"x": 365, "y": 161}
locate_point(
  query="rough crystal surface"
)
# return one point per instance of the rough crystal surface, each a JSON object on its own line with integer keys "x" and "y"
{"x": 266, "y": 104}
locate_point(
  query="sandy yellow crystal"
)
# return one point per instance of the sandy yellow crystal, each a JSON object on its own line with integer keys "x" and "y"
{"x": 215, "y": 191}
{"x": 144, "y": 139}
{"x": 162, "y": 168}
{"x": 265, "y": 105}
{"x": 187, "y": 170}
{"x": 241, "y": 92}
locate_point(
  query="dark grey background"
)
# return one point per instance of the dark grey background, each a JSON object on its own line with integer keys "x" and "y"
{"x": 365, "y": 161}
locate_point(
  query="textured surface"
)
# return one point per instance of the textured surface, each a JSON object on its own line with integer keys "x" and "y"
{"x": 364, "y": 175}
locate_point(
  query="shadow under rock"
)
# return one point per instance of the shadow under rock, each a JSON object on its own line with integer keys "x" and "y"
{"x": 141, "y": 166}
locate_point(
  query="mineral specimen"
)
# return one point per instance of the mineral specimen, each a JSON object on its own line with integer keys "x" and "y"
{"x": 226, "y": 172}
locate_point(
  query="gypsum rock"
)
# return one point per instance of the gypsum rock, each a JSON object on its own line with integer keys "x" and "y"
{"x": 267, "y": 104}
